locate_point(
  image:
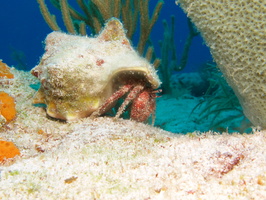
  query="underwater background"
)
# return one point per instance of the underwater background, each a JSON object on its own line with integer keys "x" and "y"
{"x": 200, "y": 98}
{"x": 24, "y": 30}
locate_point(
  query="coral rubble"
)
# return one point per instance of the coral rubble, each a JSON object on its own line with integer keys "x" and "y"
{"x": 106, "y": 159}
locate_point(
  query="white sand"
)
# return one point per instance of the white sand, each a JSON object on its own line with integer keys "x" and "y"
{"x": 122, "y": 159}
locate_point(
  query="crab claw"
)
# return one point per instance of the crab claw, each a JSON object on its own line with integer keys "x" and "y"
{"x": 143, "y": 106}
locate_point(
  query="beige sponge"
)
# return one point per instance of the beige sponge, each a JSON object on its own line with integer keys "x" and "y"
{"x": 235, "y": 31}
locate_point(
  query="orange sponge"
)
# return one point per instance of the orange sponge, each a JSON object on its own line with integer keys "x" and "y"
{"x": 7, "y": 106}
{"x": 5, "y": 71}
{"x": 8, "y": 150}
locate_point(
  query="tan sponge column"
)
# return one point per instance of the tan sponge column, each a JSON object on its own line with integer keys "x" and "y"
{"x": 235, "y": 31}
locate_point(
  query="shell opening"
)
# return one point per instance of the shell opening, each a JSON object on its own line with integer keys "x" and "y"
{"x": 132, "y": 77}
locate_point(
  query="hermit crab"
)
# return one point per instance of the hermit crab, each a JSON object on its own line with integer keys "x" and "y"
{"x": 85, "y": 76}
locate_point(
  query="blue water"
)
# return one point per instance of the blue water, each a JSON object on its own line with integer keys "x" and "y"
{"x": 23, "y": 31}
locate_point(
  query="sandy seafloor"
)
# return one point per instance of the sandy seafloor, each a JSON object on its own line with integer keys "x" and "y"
{"x": 123, "y": 159}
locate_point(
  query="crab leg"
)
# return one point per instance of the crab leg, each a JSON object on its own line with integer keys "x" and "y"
{"x": 132, "y": 95}
{"x": 118, "y": 94}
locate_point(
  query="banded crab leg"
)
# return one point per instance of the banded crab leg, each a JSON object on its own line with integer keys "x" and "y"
{"x": 130, "y": 97}
{"x": 118, "y": 94}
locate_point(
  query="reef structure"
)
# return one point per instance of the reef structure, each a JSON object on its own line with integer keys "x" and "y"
{"x": 78, "y": 73}
{"x": 235, "y": 31}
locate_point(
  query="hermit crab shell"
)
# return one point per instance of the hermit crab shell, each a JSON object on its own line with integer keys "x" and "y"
{"x": 79, "y": 73}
